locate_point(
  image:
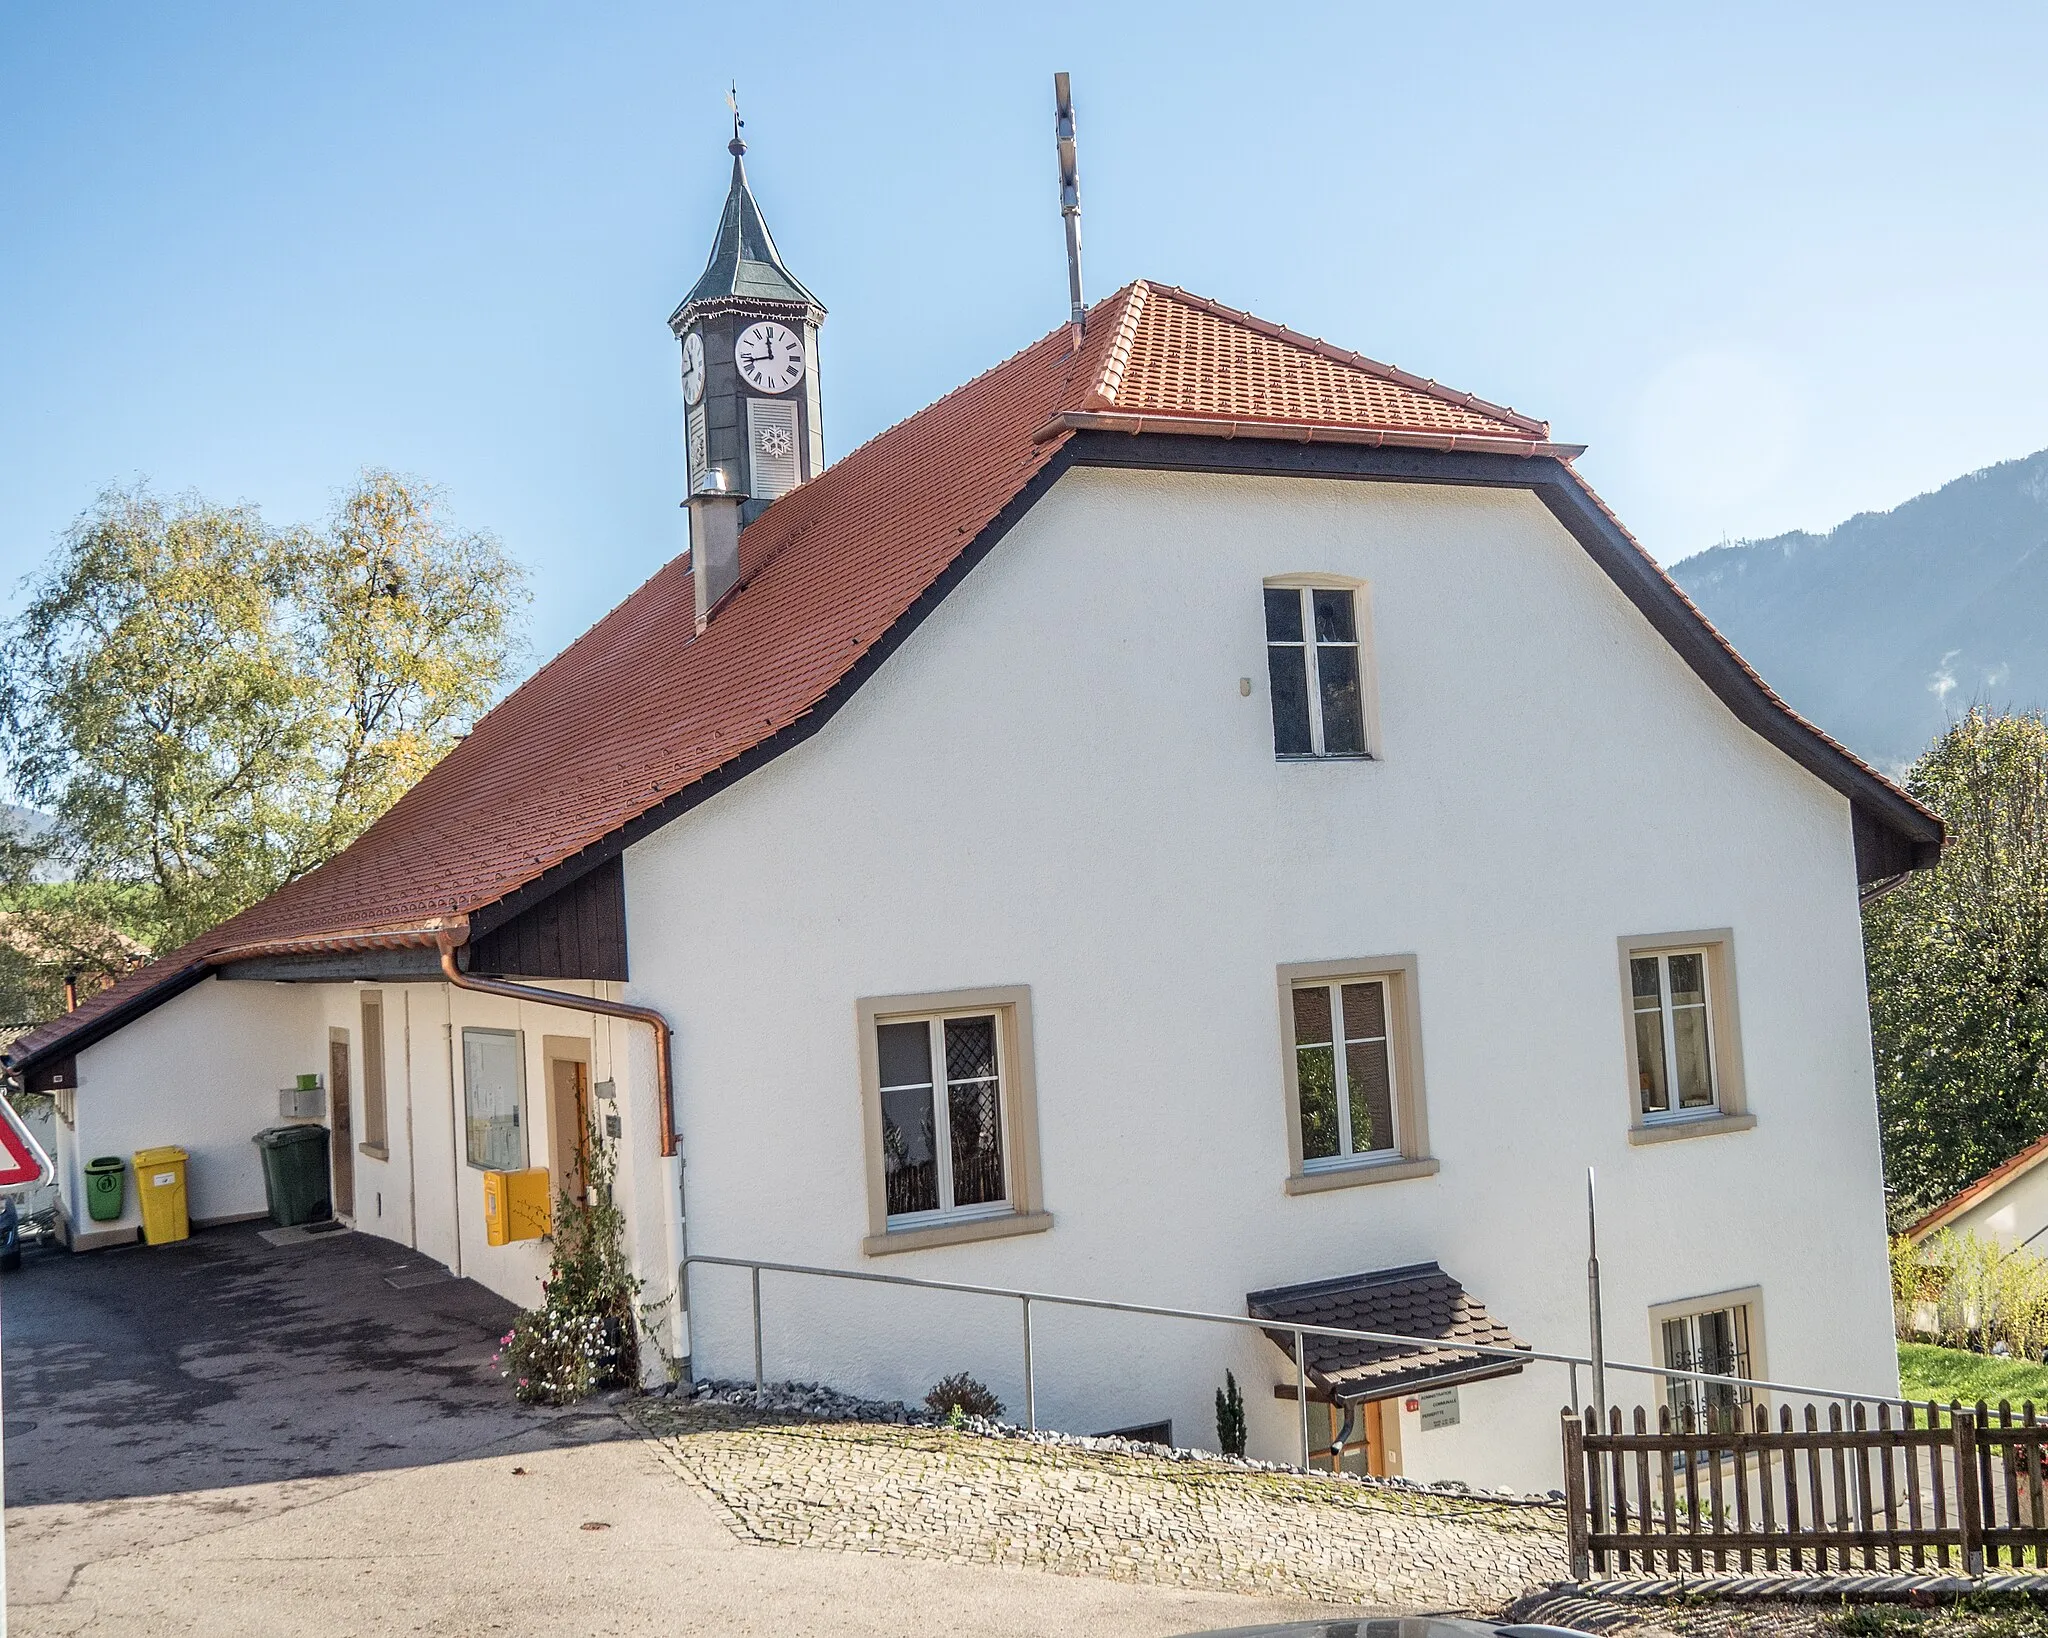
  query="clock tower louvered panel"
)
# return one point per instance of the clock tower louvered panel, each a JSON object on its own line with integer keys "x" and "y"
{"x": 749, "y": 336}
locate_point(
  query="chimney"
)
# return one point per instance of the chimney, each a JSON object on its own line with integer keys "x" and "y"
{"x": 714, "y": 541}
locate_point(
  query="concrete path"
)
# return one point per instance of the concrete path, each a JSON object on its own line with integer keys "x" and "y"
{"x": 228, "y": 1439}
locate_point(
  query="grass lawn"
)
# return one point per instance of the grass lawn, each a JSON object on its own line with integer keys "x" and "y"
{"x": 1942, "y": 1374}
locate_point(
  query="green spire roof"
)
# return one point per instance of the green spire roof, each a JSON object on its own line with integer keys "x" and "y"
{"x": 744, "y": 264}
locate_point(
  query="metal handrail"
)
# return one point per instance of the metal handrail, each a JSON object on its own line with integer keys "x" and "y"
{"x": 1298, "y": 1330}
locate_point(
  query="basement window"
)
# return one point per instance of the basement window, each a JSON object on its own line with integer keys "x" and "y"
{"x": 1720, "y": 1336}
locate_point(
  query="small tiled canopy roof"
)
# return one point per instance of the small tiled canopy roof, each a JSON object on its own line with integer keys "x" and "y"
{"x": 1419, "y": 1301}
{"x": 644, "y": 716}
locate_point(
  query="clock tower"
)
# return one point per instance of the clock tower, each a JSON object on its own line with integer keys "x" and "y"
{"x": 749, "y": 335}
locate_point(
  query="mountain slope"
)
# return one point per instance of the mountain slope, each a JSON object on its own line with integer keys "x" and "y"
{"x": 1891, "y": 624}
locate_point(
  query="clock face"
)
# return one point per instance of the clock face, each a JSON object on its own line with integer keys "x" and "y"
{"x": 693, "y": 367}
{"x": 770, "y": 356}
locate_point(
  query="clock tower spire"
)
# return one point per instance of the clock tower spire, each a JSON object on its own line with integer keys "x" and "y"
{"x": 749, "y": 335}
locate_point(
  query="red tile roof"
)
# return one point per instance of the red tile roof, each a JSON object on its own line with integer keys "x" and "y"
{"x": 1177, "y": 354}
{"x": 643, "y": 707}
{"x": 1970, "y": 1194}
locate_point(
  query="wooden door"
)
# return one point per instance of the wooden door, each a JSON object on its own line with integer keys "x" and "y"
{"x": 568, "y": 1125}
{"x": 343, "y": 1146}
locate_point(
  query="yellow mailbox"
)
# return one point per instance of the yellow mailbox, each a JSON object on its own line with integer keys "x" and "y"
{"x": 516, "y": 1205}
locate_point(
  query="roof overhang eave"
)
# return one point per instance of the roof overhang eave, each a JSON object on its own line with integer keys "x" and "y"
{"x": 176, "y": 980}
{"x": 1393, "y": 1386}
{"x": 1301, "y": 432}
{"x": 349, "y": 941}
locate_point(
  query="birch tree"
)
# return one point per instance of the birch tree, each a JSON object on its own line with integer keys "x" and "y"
{"x": 209, "y": 707}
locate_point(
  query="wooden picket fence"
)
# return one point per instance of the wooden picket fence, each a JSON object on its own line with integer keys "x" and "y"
{"x": 1908, "y": 1489}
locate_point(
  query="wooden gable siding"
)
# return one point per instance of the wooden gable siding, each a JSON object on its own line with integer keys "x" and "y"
{"x": 578, "y": 931}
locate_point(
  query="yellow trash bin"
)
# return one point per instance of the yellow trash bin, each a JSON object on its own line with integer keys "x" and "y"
{"x": 160, "y": 1180}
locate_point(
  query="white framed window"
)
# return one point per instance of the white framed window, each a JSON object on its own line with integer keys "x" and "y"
{"x": 942, "y": 1117}
{"x": 1353, "y": 1052}
{"x": 494, "y": 1097}
{"x": 1316, "y": 668}
{"x": 951, "y": 1121}
{"x": 1674, "y": 1034}
{"x": 1344, "y": 1073}
{"x": 1683, "y": 1036}
{"x": 1721, "y": 1336}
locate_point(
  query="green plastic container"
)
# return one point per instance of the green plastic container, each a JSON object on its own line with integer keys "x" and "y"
{"x": 295, "y": 1173}
{"x": 106, "y": 1188}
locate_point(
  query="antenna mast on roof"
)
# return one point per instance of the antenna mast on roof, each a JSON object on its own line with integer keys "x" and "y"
{"x": 1070, "y": 197}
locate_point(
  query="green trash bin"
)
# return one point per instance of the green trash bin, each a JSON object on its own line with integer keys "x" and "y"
{"x": 106, "y": 1188}
{"x": 295, "y": 1173}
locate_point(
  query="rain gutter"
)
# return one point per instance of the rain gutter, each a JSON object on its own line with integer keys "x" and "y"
{"x": 450, "y": 939}
{"x": 1304, "y": 432}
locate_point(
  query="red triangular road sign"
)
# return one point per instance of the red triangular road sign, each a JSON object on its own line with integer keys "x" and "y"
{"x": 21, "y": 1158}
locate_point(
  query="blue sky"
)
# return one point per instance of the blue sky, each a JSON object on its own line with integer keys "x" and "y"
{"x": 1774, "y": 264}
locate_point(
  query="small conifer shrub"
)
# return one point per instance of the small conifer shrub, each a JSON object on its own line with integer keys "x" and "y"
{"x": 1230, "y": 1417}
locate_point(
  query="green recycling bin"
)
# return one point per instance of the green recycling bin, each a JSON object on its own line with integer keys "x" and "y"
{"x": 106, "y": 1188}
{"x": 295, "y": 1173}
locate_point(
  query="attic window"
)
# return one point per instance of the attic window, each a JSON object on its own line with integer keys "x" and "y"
{"x": 1316, "y": 663}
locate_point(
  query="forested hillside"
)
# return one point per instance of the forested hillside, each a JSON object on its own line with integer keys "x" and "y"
{"x": 1887, "y": 627}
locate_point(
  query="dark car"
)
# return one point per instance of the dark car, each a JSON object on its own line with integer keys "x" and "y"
{"x": 10, "y": 1235}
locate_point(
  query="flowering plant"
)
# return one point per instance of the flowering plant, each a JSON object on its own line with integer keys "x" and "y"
{"x": 582, "y": 1337}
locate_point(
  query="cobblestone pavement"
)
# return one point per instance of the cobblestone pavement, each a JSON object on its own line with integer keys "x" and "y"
{"x": 1610, "y": 1619}
{"x": 967, "y": 1498}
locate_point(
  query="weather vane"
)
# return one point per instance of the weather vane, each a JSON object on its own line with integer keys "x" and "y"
{"x": 738, "y": 145}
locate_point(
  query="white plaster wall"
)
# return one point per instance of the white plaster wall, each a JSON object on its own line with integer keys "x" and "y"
{"x": 202, "y": 1072}
{"x": 69, "y": 1183}
{"x": 1057, "y": 783}
{"x": 432, "y": 1198}
{"x": 2011, "y": 1215}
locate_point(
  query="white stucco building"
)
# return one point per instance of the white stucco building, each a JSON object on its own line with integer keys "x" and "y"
{"x": 1192, "y": 816}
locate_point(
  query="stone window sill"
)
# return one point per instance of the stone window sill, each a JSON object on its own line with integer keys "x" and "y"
{"x": 376, "y": 1151}
{"x": 954, "y": 1234}
{"x": 1670, "y": 1131}
{"x": 1373, "y": 1171}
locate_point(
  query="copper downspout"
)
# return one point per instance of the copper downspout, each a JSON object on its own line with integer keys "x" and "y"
{"x": 447, "y": 942}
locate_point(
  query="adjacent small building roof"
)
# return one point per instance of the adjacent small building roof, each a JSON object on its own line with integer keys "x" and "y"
{"x": 2005, "y": 1172}
{"x": 1420, "y": 1301}
{"x": 644, "y": 716}
{"x": 744, "y": 265}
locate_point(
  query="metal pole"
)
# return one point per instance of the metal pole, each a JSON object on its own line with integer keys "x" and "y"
{"x": 757, "y": 1325}
{"x": 1576, "y": 1406}
{"x": 1070, "y": 196}
{"x": 1030, "y": 1390}
{"x": 1301, "y": 1393}
{"x": 1599, "y": 1351}
{"x": 3, "y": 1550}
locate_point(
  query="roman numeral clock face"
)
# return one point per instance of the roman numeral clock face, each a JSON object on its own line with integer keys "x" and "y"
{"x": 770, "y": 357}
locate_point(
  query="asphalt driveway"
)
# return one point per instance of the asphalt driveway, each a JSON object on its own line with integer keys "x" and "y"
{"x": 230, "y": 1438}
{"x": 223, "y": 1360}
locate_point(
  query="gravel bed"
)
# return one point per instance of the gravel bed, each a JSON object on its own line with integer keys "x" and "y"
{"x": 800, "y": 1466}
{"x": 823, "y": 1404}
